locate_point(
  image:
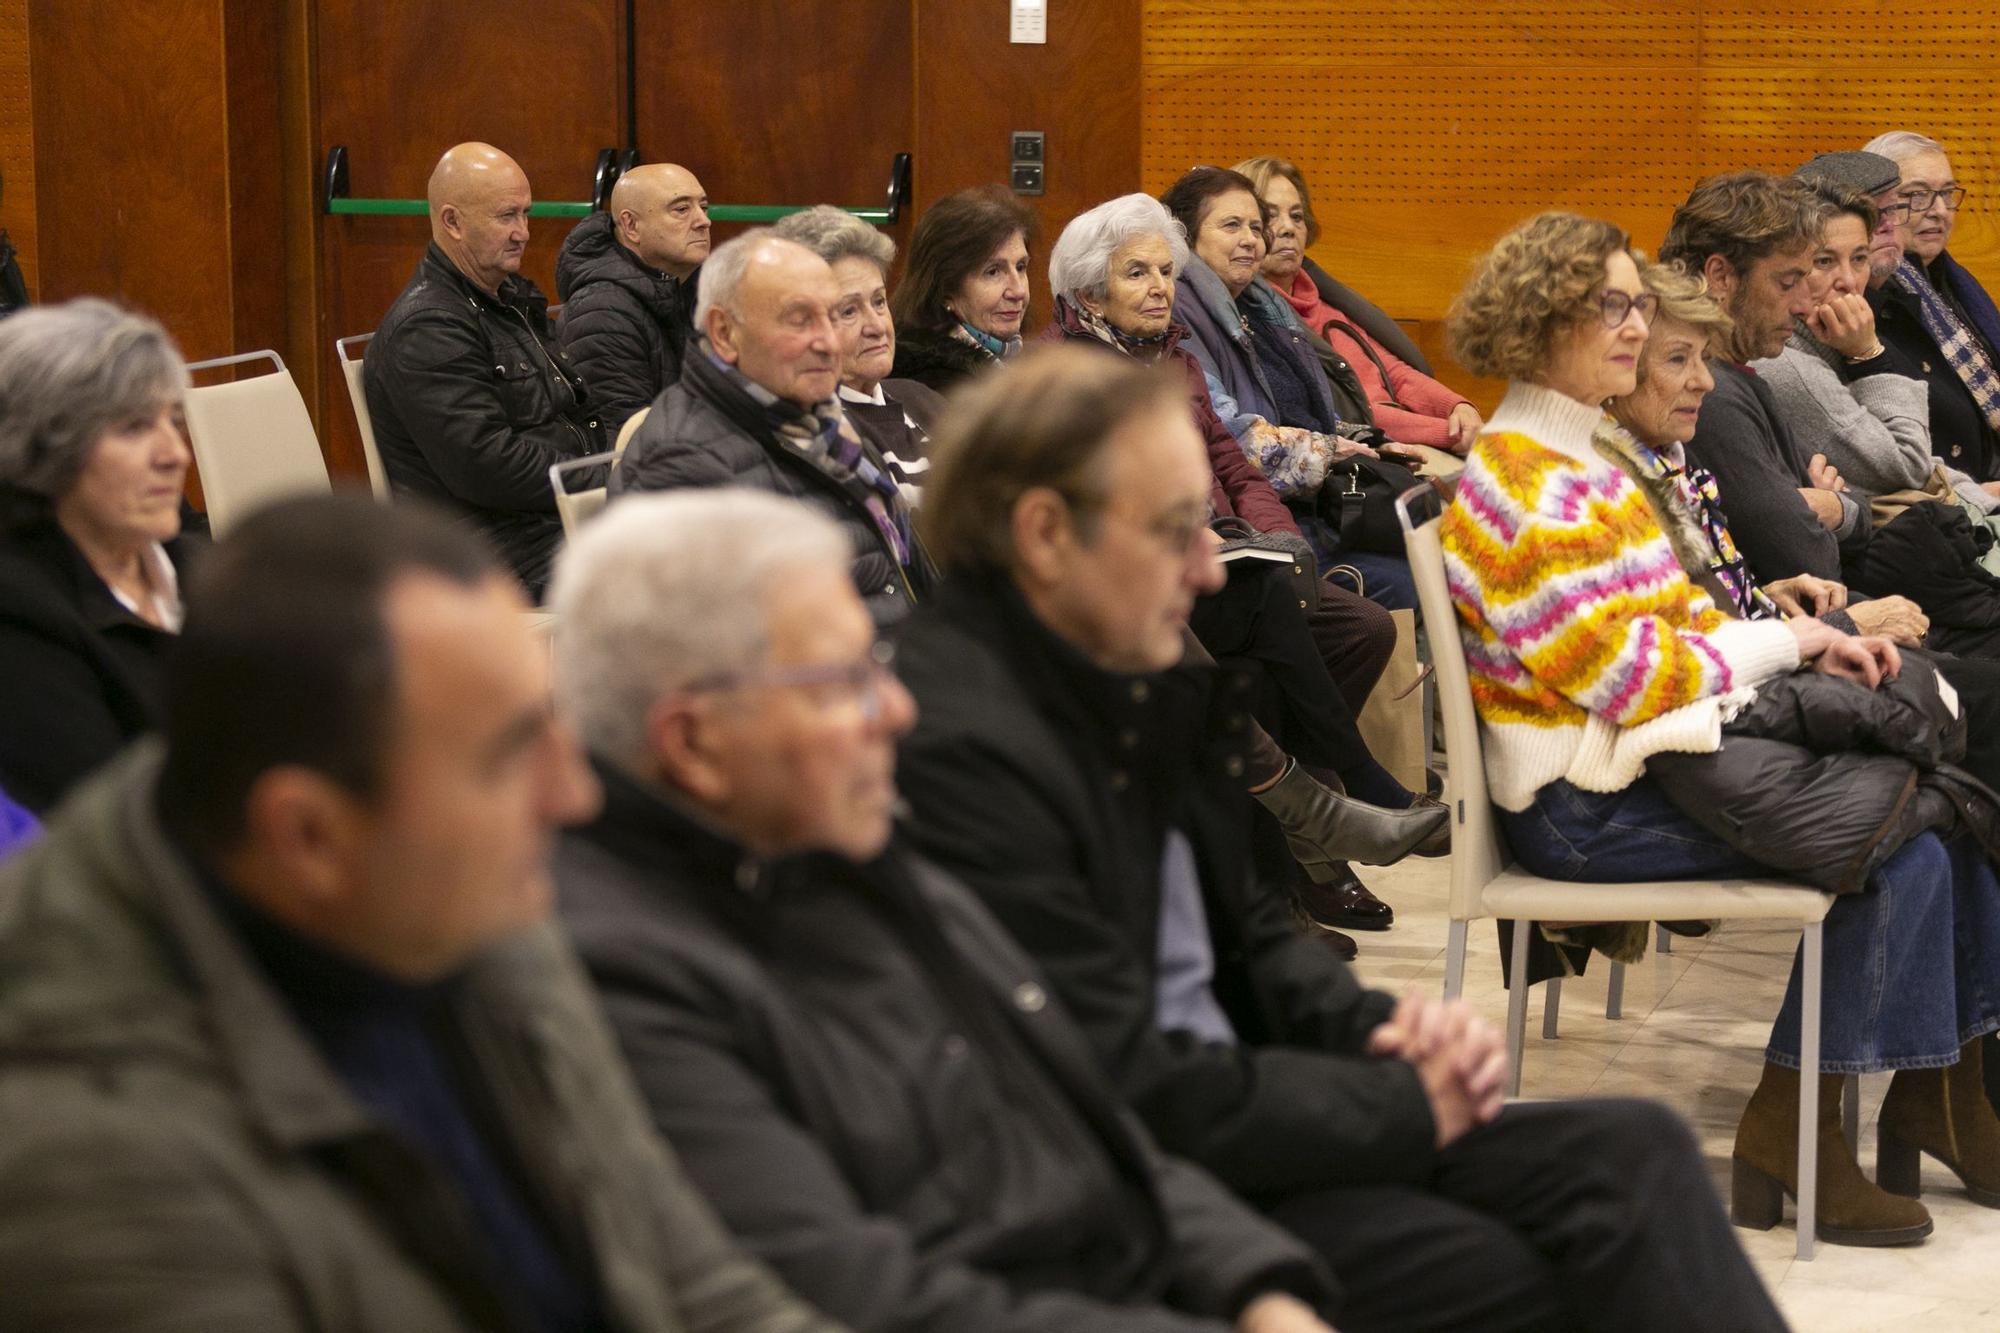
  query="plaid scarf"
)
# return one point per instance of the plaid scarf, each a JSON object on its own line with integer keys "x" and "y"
{"x": 826, "y": 440}
{"x": 1688, "y": 503}
{"x": 1958, "y": 345}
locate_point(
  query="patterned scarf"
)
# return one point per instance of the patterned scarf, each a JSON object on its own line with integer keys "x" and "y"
{"x": 997, "y": 348}
{"x": 1688, "y": 504}
{"x": 1076, "y": 320}
{"x": 1958, "y": 345}
{"x": 826, "y": 440}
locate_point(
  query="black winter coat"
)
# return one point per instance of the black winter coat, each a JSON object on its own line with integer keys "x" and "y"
{"x": 862, "y": 1072}
{"x": 1027, "y": 771}
{"x": 1824, "y": 779}
{"x": 82, "y": 675}
{"x": 933, "y": 357}
{"x": 706, "y": 431}
{"x": 1960, "y": 433}
{"x": 623, "y": 324}
{"x": 472, "y": 402}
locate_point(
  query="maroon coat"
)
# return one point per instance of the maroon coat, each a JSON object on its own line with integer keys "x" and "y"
{"x": 1237, "y": 489}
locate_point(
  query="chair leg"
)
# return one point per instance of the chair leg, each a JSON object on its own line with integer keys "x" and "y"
{"x": 1808, "y": 1168}
{"x": 1552, "y": 998}
{"x": 1454, "y": 960}
{"x": 1663, "y": 940}
{"x": 1517, "y": 1008}
{"x": 1614, "y": 993}
{"x": 1850, "y": 1111}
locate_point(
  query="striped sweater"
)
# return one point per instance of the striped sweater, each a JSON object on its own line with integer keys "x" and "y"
{"x": 1588, "y": 647}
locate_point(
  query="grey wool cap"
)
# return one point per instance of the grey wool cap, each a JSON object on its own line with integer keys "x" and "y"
{"x": 1870, "y": 173}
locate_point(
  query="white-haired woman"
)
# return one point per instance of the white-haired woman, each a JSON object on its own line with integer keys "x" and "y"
{"x": 1112, "y": 274}
{"x": 92, "y": 462}
{"x": 1934, "y": 312}
{"x": 895, "y": 414}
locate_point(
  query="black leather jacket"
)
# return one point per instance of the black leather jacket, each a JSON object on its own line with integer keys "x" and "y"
{"x": 624, "y": 325}
{"x": 472, "y": 401}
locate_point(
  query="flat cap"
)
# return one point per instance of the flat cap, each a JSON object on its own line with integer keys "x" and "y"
{"x": 1870, "y": 173}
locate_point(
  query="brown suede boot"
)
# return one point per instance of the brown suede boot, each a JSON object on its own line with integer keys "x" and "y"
{"x": 1943, "y": 1112}
{"x": 1851, "y": 1211}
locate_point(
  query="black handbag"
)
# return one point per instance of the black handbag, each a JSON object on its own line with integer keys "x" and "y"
{"x": 1358, "y": 501}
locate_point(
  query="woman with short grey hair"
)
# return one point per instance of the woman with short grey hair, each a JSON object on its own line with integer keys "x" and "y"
{"x": 92, "y": 462}
{"x": 896, "y": 415}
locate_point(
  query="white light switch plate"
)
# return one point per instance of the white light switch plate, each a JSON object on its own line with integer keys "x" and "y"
{"x": 1030, "y": 25}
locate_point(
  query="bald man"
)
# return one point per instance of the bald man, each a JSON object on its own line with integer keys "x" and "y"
{"x": 627, "y": 276}
{"x": 754, "y": 406}
{"x": 471, "y": 398}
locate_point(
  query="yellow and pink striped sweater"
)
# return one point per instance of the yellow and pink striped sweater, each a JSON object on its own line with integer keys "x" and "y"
{"x": 1588, "y": 647}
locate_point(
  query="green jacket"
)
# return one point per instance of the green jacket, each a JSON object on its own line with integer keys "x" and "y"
{"x": 176, "y": 1155}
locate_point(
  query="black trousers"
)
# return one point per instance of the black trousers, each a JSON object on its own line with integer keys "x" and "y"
{"x": 1557, "y": 1216}
{"x": 1316, "y": 668}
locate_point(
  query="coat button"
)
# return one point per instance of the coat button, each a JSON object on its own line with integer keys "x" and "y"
{"x": 1956, "y": 451}
{"x": 1129, "y": 738}
{"x": 1302, "y": 604}
{"x": 1030, "y": 998}
{"x": 1120, "y": 780}
{"x": 1234, "y": 768}
{"x": 1927, "y": 367}
{"x": 1140, "y": 691}
{"x": 953, "y": 1047}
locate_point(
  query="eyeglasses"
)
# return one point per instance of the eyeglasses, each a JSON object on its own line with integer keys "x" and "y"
{"x": 1176, "y": 531}
{"x": 840, "y": 681}
{"x": 1614, "y": 306}
{"x": 1897, "y": 211}
{"x": 1919, "y": 199}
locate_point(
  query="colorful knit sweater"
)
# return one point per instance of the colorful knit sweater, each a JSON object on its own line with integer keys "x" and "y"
{"x": 1588, "y": 647}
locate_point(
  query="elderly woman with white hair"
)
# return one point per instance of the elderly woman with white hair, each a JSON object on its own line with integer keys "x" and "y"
{"x": 92, "y": 462}
{"x": 1934, "y": 312}
{"x": 1112, "y": 274}
{"x": 895, "y": 414}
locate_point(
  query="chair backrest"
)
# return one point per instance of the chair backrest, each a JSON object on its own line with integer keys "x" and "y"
{"x": 252, "y": 440}
{"x": 357, "y": 394}
{"x": 577, "y": 508}
{"x": 1476, "y": 852}
{"x": 630, "y": 428}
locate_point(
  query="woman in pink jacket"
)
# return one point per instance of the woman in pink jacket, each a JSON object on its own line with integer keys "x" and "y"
{"x": 1408, "y": 406}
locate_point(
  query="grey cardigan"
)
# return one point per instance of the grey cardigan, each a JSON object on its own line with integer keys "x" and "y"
{"x": 1875, "y": 429}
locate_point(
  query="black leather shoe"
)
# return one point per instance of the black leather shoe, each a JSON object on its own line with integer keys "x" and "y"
{"x": 1346, "y": 903}
{"x": 1343, "y": 946}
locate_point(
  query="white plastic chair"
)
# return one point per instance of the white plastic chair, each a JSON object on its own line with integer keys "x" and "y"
{"x": 253, "y": 440}
{"x": 631, "y": 428}
{"x": 577, "y": 508}
{"x": 357, "y": 394}
{"x": 1483, "y": 884}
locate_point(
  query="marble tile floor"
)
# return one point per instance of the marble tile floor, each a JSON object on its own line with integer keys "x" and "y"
{"x": 1692, "y": 1035}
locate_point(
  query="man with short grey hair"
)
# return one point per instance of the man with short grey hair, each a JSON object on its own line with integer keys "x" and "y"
{"x": 863, "y": 1073}
{"x": 755, "y": 407}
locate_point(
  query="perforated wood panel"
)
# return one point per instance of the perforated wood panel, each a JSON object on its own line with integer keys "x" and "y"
{"x": 17, "y": 136}
{"x": 1426, "y": 127}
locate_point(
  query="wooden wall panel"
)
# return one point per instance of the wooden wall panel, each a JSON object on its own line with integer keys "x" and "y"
{"x": 1428, "y": 126}
{"x": 542, "y": 79}
{"x": 774, "y": 102}
{"x": 1081, "y": 90}
{"x": 17, "y": 136}
{"x": 132, "y": 154}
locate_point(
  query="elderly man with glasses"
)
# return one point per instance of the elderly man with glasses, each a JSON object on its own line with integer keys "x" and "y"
{"x": 857, "y": 1065}
{"x": 1934, "y": 312}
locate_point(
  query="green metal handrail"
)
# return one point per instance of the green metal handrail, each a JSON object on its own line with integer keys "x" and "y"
{"x": 608, "y": 171}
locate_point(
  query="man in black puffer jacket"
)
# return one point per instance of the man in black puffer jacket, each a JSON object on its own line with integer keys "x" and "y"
{"x": 755, "y": 407}
{"x": 627, "y": 276}
{"x": 471, "y": 399}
